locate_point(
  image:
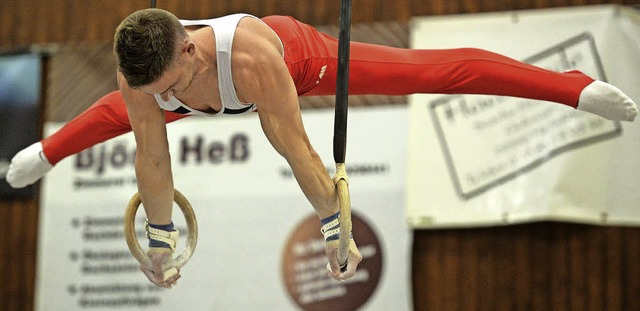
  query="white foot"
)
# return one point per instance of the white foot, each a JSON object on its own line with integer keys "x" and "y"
{"x": 607, "y": 101}
{"x": 27, "y": 166}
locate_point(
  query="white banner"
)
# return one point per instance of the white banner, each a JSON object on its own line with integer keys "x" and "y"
{"x": 486, "y": 160}
{"x": 259, "y": 245}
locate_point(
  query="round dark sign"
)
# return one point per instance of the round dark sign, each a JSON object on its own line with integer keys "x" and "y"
{"x": 304, "y": 264}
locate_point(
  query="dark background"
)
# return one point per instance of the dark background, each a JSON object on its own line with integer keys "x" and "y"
{"x": 20, "y": 124}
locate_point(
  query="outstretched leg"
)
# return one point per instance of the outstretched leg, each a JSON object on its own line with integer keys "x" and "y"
{"x": 105, "y": 119}
{"x": 376, "y": 69}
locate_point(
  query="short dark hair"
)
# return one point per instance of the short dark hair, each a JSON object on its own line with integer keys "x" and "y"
{"x": 145, "y": 45}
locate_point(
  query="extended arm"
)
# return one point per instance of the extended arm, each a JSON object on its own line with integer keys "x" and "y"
{"x": 261, "y": 77}
{"x": 153, "y": 161}
{"x": 153, "y": 171}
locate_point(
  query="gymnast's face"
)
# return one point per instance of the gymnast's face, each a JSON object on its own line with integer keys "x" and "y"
{"x": 175, "y": 80}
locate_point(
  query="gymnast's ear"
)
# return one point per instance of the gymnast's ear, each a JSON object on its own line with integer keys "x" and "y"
{"x": 188, "y": 47}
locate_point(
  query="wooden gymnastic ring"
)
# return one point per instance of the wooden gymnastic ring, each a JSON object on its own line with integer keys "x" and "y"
{"x": 132, "y": 239}
{"x": 344, "y": 201}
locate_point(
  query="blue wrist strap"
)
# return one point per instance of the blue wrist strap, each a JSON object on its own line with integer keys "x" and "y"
{"x": 330, "y": 218}
{"x": 331, "y": 227}
{"x": 155, "y": 243}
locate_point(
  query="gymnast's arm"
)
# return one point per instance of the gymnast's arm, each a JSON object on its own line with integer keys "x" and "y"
{"x": 153, "y": 161}
{"x": 153, "y": 170}
{"x": 105, "y": 119}
{"x": 261, "y": 77}
{"x": 282, "y": 124}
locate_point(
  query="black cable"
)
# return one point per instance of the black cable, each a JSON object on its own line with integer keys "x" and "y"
{"x": 342, "y": 84}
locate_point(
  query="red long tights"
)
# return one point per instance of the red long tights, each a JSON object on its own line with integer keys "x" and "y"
{"x": 311, "y": 58}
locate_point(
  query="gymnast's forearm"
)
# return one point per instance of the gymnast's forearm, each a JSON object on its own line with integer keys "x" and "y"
{"x": 316, "y": 184}
{"x": 155, "y": 185}
{"x": 105, "y": 119}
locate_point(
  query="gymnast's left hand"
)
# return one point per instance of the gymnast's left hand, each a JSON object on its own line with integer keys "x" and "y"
{"x": 333, "y": 267}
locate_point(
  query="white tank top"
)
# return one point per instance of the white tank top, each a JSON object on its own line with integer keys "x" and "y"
{"x": 224, "y": 29}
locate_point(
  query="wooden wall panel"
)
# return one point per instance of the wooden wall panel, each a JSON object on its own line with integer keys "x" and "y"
{"x": 45, "y": 21}
{"x": 79, "y": 75}
{"x": 542, "y": 266}
{"x": 18, "y": 240}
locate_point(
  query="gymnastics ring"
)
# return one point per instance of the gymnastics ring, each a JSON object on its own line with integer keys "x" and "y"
{"x": 132, "y": 240}
{"x": 345, "y": 216}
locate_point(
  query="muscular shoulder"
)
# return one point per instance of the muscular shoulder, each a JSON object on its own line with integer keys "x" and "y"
{"x": 254, "y": 32}
{"x": 257, "y": 57}
{"x": 255, "y": 43}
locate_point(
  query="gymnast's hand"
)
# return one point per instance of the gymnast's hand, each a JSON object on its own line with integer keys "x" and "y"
{"x": 163, "y": 240}
{"x": 27, "y": 166}
{"x": 333, "y": 267}
{"x": 157, "y": 274}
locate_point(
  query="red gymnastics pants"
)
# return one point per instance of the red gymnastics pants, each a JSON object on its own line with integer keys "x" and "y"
{"x": 311, "y": 58}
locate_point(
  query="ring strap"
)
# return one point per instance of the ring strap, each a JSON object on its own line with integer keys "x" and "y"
{"x": 340, "y": 174}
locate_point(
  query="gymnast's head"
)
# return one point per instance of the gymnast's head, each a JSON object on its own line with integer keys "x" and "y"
{"x": 148, "y": 43}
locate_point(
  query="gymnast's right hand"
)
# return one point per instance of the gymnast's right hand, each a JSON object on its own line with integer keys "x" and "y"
{"x": 27, "y": 166}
